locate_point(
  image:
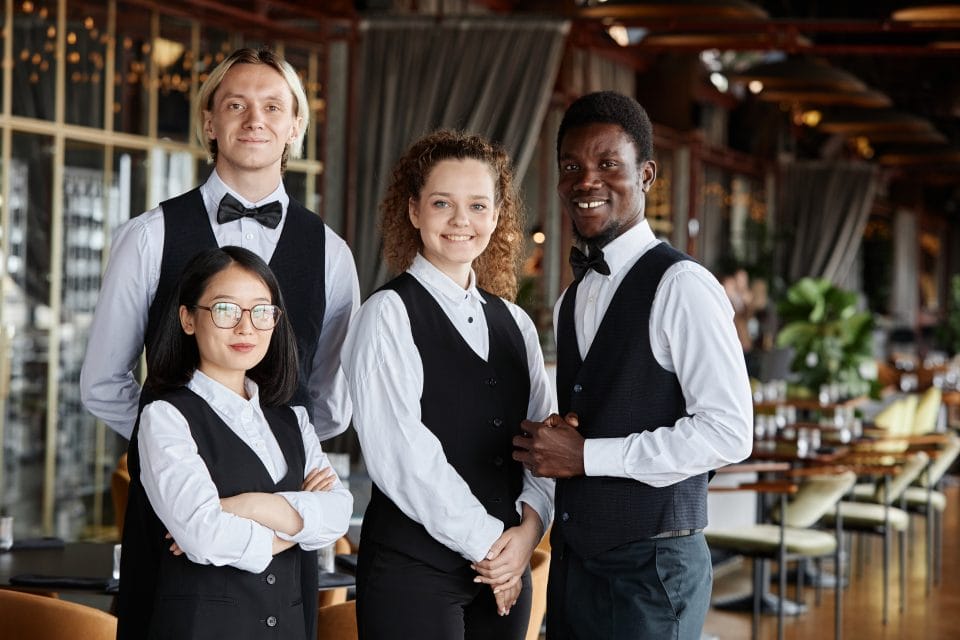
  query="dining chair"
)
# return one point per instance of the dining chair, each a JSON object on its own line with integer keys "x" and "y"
{"x": 337, "y": 621}
{"x": 119, "y": 490}
{"x": 27, "y": 616}
{"x": 816, "y": 493}
{"x": 539, "y": 571}
{"x": 881, "y": 517}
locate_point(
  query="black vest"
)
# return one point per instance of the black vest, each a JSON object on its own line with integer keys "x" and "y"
{"x": 297, "y": 261}
{"x": 617, "y": 390}
{"x": 473, "y": 407}
{"x": 191, "y": 600}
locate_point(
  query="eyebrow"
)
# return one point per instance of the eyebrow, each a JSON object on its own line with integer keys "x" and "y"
{"x": 450, "y": 195}
{"x": 270, "y": 98}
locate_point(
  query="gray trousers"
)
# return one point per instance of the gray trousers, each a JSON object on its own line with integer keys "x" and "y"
{"x": 655, "y": 589}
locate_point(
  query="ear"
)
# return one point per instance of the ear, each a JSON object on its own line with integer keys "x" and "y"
{"x": 186, "y": 320}
{"x": 295, "y": 130}
{"x": 413, "y": 213}
{"x": 648, "y": 174}
{"x": 208, "y": 125}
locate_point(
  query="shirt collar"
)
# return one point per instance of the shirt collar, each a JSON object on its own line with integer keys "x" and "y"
{"x": 223, "y": 400}
{"x": 215, "y": 188}
{"x": 428, "y": 274}
{"x": 625, "y": 248}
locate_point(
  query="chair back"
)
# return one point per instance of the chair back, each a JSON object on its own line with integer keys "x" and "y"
{"x": 816, "y": 496}
{"x": 909, "y": 471}
{"x": 337, "y": 621}
{"x": 897, "y": 417}
{"x": 119, "y": 490}
{"x": 539, "y": 571}
{"x": 928, "y": 410}
{"x": 942, "y": 462}
{"x": 27, "y": 616}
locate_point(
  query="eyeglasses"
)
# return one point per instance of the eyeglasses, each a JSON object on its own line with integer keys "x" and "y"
{"x": 227, "y": 315}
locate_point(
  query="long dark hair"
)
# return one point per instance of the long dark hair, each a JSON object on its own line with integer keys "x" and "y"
{"x": 173, "y": 356}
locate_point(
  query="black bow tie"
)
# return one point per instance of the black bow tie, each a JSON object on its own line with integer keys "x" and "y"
{"x": 232, "y": 209}
{"x": 581, "y": 263}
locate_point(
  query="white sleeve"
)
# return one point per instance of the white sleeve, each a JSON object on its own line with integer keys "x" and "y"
{"x": 691, "y": 334}
{"x": 330, "y": 397}
{"x": 108, "y": 388}
{"x": 185, "y": 498}
{"x": 404, "y": 458}
{"x": 325, "y": 514}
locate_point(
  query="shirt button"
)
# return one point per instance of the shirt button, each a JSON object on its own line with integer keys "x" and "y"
{"x": 577, "y": 388}
{"x": 497, "y": 422}
{"x": 491, "y": 382}
{"x": 565, "y": 516}
{"x": 272, "y": 621}
{"x": 271, "y": 579}
{"x": 249, "y": 236}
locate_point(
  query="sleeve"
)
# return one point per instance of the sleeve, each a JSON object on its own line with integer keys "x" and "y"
{"x": 404, "y": 458}
{"x": 108, "y": 388}
{"x": 328, "y": 388}
{"x": 325, "y": 514}
{"x": 537, "y": 492}
{"x": 182, "y": 493}
{"x": 692, "y": 334}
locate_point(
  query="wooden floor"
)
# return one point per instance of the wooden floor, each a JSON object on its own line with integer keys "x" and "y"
{"x": 933, "y": 616}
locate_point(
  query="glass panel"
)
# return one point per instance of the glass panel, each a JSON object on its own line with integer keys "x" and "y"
{"x": 34, "y": 51}
{"x": 84, "y": 235}
{"x": 215, "y": 45}
{"x": 131, "y": 99}
{"x": 172, "y": 61}
{"x": 660, "y": 198}
{"x": 86, "y": 53}
{"x": 26, "y": 325}
{"x": 128, "y": 195}
{"x": 3, "y": 70}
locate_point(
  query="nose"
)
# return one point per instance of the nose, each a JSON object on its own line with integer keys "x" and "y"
{"x": 459, "y": 217}
{"x": 253, "y": 119}
{"x": 587, "y": 180}
{"x": 245, "y": 325}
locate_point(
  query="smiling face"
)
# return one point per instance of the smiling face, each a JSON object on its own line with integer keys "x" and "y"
{"x": 252, "y": 119}
{"x": 227, "y": 354}
{"x": 456, "y": 214}
{"x": 602, "y": 185}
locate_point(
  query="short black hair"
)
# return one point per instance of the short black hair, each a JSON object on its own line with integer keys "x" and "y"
{"x": 173, "y": 356}
{"x": 610, "y": 107}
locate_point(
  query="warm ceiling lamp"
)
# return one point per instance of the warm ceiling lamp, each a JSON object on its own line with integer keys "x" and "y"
{"x": 694, "y": 9}
{"x": 935, "y": 15}
{"x": 725, "y": 41}
{"x": 866, "y": 99}
{"x": 800, "y": 73}
{"x": 916, "y": 158}
{"x": 867, "y": 121}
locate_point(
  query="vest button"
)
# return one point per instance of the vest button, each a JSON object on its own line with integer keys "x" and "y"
{"x": 577, "y": 388}
{"x": 491, "y": 382}
{"x": 272, "y": 621}
{"x": 498, "y": 461}
{"x": 271, "y": 579}
{"x": 565, "y": 516}
{"x": 497, "y": 422}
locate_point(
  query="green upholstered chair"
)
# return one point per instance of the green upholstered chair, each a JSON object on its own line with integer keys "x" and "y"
{"x": 793, "y": 537}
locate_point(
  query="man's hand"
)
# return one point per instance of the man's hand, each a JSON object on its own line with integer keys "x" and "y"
{"x": 551, "y": 448}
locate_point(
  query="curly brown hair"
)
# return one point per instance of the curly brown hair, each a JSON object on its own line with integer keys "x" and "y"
{"x": 497, "y": 266}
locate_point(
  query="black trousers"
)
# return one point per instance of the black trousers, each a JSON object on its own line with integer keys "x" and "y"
{"x": 654, "y": 589}
{"x": 399, "y": 597}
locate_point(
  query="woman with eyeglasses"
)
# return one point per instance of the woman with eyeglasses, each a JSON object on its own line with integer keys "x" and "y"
{"x": 235, "y": 480}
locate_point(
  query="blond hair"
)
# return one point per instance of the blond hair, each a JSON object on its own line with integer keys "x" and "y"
{"x": 278, "y": 64}
{"x": 497, "y": 266}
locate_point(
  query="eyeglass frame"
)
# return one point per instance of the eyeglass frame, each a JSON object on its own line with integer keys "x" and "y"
{"x": 276, "y": 317}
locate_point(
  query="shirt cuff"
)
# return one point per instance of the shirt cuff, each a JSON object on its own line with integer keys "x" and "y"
{"x": 480, "y": 540}
{"x": 259, "y": 552}
{"x": 305, "y": 514}
{"x": 604, "y": 457}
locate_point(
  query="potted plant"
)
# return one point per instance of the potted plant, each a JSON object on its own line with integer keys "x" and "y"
{"x": 830, "y": 338}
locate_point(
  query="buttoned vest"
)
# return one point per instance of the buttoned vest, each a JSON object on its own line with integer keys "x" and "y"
{"x": 474, "y": 407}
{"x": 619, "y": 389}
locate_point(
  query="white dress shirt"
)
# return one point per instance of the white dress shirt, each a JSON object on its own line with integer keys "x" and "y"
{"x": 404, "y": 458}
{"x": 186, "y": 500}
{"x": 107, "y": 385}
{"x": 692, "y": 335}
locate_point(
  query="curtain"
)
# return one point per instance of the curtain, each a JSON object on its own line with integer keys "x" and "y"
{"x": 492, "y": 77}
{"x": 822, "y": 213}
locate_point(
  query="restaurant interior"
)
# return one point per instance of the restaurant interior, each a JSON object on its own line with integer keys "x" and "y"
{"x": 808, "y": 155}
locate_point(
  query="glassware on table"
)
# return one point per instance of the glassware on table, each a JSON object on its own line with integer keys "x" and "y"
{"x": 6, "y": 533}
{"x": 325, "y": 558}
{"x": 116, "y": 561}
{"x": 803, "y": 442}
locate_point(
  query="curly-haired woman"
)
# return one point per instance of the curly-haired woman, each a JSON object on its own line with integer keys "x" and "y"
{"x": 442, "y": 369}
